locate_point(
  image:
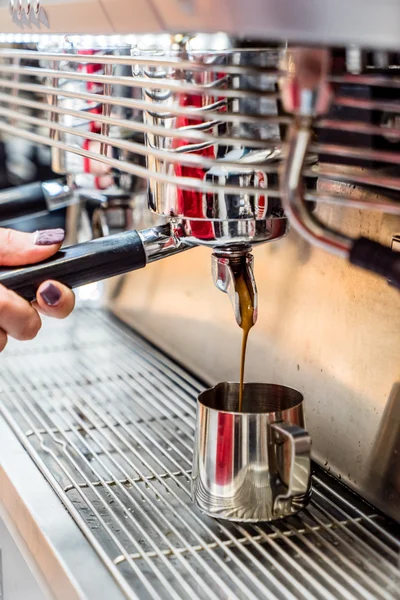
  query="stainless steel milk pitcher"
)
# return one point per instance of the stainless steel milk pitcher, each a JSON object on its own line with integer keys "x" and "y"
{"x": 252, "y": 465}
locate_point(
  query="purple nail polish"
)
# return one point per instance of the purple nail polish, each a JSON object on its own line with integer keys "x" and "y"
{"x": 51, "y": 295}
{"x": 47, "y": 237}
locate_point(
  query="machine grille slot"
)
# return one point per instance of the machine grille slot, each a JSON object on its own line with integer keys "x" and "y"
{"x": 159, "y": 116}
{"x": 109, "y": 421}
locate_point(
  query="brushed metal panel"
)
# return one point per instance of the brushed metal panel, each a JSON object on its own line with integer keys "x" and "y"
{"x": 363, "y": 22}
{"x": 135, "y": 16}
{"x": 191, "y": 15}
{"x": 325, "y": 328}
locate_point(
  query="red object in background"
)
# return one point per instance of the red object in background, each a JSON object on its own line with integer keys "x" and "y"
{"x": 261, "y": 203}
{"x": 190, "y": 202}
{"x": 224, "y": 453}
{"x": 95, "y": 88}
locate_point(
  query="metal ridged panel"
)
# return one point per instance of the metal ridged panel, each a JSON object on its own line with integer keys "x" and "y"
{"x": 49, "y": 98}
{"x": 109, "y": 420}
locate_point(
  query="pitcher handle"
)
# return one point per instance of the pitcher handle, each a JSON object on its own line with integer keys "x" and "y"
{"x": 299, "y": 443}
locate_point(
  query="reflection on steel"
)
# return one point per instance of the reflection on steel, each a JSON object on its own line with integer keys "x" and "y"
{"x": 229, "y": 263}
{"x": 214, "y": 218}
{"x": 110, "y": 422}
{"x": 251, "y": 466}
{"x": 306, "y": 94}
{"x": 231, "y": 103}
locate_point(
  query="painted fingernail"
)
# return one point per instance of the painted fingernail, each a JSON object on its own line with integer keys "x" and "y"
{"x": 51, "y": 295}
{"x": 47, "y": 237}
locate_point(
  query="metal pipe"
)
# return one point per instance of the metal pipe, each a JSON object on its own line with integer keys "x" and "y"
{"x": 292, "y": 198}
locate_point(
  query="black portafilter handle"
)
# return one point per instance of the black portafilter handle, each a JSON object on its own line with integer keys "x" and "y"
{"x": 81, "y": 264}
{"x": 22, "y": 201}
{"x": 379, "y": 259}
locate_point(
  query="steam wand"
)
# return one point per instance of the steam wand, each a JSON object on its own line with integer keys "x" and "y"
{"x": 306, "y": 94}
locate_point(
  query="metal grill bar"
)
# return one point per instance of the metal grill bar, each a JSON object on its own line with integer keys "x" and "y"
{"x": 22, "y": 407}
{"x": 382, "y": 532}
{"x": 175, "y": 110}
{"x": 368, "y": 177}
{"x": 149, "y": 522}
{"x": 364, "y": 577}
{"x": 186, "y": 133}
{"x": 357, "y": 152}
{"x": 181, "y": 155}
{"x": 373, "y": 80}
{"x": 356, "y": 127}
{"x": 170, "y": 490}
{"x": 160, "y": 61}
{"x": 212, "y": 89}
{"x": 191, "y": 133}
{"x": 181, "y": 132}
{"x": 184, "y": 183}
{"x": 382, "y": 204}
{"x": 242, "y": 540}
{"x": 112, "y": 431}
{"x": 80, "y": 521}
{"x": 227, "y": 121}
{"x": 385, "y": 204}
{"x": 367, "y": 104}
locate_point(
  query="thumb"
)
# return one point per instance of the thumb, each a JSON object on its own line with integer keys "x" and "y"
{"x": 17, "y": 248}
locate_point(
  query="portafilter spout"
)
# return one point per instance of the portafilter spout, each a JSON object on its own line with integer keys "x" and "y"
{"x": 232, "y": 268}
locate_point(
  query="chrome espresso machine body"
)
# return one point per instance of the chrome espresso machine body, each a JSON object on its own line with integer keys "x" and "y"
{"x": 284, "y": 128}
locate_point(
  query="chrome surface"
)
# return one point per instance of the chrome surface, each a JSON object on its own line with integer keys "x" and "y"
{"x": 306, "y": 93}
{"x": 244, "y": 115}
{"x": 58, "y": 195}
{"x": 230, "y": 218}
{"x": 304, "y": 81}
{"x": 109, "y": 421}
{"x": 200, "y": 118}
{"x": 251, "y": 466}
{"x": 227, "y": 264}
{"x": 312, "y": 304}
{"x": 160, "y": 242}
{"x": 325, "y": 328}
{"x": 84, "y": 171}
{"x": 217, "y": 232}
{"x": 294, "y": 203}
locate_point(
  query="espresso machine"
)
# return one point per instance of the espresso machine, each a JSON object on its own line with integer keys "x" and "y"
{"x": 278, "y": 124}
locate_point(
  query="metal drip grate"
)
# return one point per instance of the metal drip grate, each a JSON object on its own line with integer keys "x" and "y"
{"x": 109, "y": 421}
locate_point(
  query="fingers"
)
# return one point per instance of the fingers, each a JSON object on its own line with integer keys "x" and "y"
{"x": 54, "y": 299}
{"x": 20, "y": 320}
{"x": 17, "y": 248}
{"x": 3, "y": 340}
{"x": 17, "y": 317}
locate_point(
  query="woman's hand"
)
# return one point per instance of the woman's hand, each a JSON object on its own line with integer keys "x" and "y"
{"x": 18, "y": 318}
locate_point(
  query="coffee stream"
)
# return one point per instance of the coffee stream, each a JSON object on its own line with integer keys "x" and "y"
{"x": 244, "y": 290}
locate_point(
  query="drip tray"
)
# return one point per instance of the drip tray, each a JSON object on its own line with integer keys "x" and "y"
{"x": 109, "y": 421}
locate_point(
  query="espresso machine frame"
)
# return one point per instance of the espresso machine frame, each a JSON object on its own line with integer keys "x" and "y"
{"x": 238, "y": 145}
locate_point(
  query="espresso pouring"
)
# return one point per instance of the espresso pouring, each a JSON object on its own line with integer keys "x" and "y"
{"x": 246, "y": 305}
